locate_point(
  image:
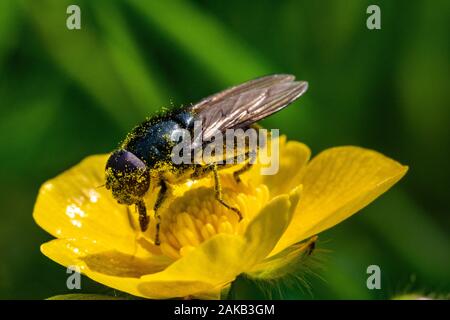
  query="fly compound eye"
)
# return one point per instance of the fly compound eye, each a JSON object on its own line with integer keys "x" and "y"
{"x": 127, "y": 176}
{"x": 124, "y": 161}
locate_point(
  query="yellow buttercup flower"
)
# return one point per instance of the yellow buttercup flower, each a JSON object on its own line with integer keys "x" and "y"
{"x": 203, "y": 245}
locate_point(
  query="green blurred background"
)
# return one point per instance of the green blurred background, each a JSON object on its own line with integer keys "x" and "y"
{"x": 68, "y": 94}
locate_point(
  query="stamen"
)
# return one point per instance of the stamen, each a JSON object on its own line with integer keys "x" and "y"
{"x": 196, "y": 216}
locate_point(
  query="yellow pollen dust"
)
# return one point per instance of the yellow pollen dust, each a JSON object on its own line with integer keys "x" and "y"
{"x": 197, "y": 216}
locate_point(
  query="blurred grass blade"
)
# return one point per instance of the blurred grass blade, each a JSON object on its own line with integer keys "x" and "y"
{"x": 80, "y": 55}
{"x": 204, "y": 38}
{"x": 141, "y": 80}
{"x": 21, "y": 134}
{"x": 9, "y": 21}
{"x": 411, "y": 233}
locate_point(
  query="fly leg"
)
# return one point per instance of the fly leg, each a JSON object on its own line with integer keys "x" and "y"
{"x": 144, "y": 219}
{"x": 159, "y": 201}
{"x": 251, "y": 155}
{"x": 218, "y": 192}
{"x": 201, "y": 171}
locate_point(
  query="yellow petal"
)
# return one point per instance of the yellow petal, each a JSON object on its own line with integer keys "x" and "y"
{"x": 84, "y": 296}
{"x": 337, "y": 183}
{"x": 173, "y": 288}
{"x": 212, "y": 265}
{"x": 263, "y": 233}
{"x": 71, "y": 252}
{"x": 219, "y": 260}
{"x": 73, "y": 205}
{"x": 293, "y": 157}
{"x": 120, "y": 271}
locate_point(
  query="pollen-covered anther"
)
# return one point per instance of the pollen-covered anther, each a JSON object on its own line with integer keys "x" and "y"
{"x": 197, "y": 216}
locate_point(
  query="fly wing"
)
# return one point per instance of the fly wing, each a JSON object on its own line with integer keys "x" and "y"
{"x": 242, "y": 105}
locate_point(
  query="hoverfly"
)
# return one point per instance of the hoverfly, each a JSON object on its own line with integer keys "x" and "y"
{"x": 146, "y": 151}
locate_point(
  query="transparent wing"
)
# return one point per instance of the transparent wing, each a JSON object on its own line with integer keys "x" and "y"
{"x": 242, "y": 105}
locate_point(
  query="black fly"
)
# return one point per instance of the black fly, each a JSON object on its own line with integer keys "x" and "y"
{"x": 146, "y": 151}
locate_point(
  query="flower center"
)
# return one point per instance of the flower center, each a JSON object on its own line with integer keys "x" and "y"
{"x": 197, "y": 216}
